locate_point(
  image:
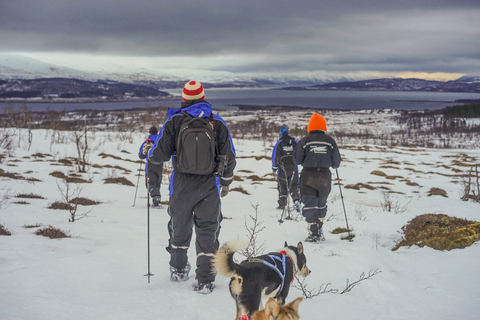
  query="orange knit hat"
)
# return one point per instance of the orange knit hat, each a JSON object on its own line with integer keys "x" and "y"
{"x": 317, "y": 122}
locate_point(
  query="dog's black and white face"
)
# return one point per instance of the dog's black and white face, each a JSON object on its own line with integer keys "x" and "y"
{"x": 301, "y": 259}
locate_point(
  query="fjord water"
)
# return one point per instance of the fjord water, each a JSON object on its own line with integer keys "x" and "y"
{"x": 227, "y": 99}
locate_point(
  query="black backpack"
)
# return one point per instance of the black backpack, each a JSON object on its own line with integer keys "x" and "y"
{"x": 286, "y": 154}
{"x": 195, "y": 146}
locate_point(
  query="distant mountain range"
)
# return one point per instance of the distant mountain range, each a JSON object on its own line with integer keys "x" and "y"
{"x": 463, "y": 84}
{"x": 25, "y": 78}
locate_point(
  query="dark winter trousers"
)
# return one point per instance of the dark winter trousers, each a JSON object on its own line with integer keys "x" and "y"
{"x": 154, "y": 179}
{"x": 194, "y": 202}
{"x": 287, "y": 178}
{"x": 315, "y": 186}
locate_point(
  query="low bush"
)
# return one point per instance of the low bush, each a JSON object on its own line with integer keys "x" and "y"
{"x": 4, "y": 231}
{"x": 440, "y": 232}
{"x": 52, "y": 233}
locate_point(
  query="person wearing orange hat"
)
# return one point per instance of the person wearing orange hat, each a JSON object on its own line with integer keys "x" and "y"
{"x": 316, "y": 152}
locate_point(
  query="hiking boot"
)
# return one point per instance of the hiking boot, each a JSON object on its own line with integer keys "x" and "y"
{"x": 320, "y": 235}
{"x": 179, "y": 275}
{"x": 312, "y": 238}
{"x": 204, "y": 287}
{"x": 156, "y": 202}
{"x": 297, "y": 205}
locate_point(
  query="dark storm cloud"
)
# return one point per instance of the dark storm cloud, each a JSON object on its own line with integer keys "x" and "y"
{"x": 270, "y": 35}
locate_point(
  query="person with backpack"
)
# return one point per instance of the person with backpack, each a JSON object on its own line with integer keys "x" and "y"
{"x": 316, "y": 152}
{"x": 285, "y": 170}
{"x": 203, "y": 157}
{"x": 153, "y": 172}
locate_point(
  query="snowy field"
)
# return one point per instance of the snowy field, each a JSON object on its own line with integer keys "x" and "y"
{"x": 98, "y": 273}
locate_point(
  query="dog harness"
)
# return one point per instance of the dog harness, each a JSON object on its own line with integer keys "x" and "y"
{"x": 281, "y": 273}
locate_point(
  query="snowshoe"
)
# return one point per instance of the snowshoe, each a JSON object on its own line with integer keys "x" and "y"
{"x": 179, "y": 275}
{"x": 156, "y": 202}
{"x": 297, "y": 206}
{"x": 203, "y": 287}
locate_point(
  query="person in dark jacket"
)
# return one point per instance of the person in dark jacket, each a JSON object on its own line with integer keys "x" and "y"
{"x": 194, "y": 198}
{"x": 316, "y": 152}
{"x": 285, "y": 169}
{"x": 153, "y": 172}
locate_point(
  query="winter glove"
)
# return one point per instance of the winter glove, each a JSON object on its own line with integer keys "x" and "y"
{"x": 147, "y": 146}
{"x": 223, "y": 191}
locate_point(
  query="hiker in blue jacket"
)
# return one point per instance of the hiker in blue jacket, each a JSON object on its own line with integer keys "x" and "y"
{"x": 285, "y": 170}
{"x": 153, "y": 172}
{"x": 195, "y": 198}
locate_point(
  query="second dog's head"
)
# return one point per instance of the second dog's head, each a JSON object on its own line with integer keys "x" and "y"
{"x": 301, "y": 259}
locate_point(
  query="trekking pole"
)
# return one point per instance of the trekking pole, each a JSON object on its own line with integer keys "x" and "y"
{"x": 149, "y": 274}
{"x": 285, "y": 207}
{"x": 350, "y": 238}
{"x": 140, "y": 169}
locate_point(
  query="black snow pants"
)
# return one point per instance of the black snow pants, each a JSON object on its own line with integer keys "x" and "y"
{"x": 194, "y": 202}
{"x": 154, "y": 179}
{"x": 315, "y": 186}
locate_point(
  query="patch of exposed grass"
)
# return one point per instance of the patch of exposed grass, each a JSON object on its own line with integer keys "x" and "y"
{"x": 237, "y": 178}
{"x": 32, "y": 226}
{"x": 116, "y": 167}
{"x": 240, "y": 189}
{"x": 58, "y": 205}
{"x": 437, "y": 192}
{"x": 254, "y": 177}
{"x": 73, "y": 178}
{"x": 29, "y": 196}
{"x": 66, "y": 162}
{"x": 52, "y": 233}
{"x": 359, "y": 186}
{"x": 11, "y": 175}
{"x": 245, "y": 171}
{"x": 440, "y": 232}
{"x": 378, "y": 173}
{"x": 4, "y": 231}
{"x": 21, "y": 202}
{"x": 121, "y": 180}
{"x": 339, "y": 230}
{"x": 345, "y": 233}
{"x": 84, "y": 201}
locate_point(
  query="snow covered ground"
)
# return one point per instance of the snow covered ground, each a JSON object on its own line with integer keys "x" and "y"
{"x": 98, "y": 273}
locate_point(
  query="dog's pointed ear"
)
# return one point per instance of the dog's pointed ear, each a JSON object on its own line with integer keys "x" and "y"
{"x": 300, "y": 248}
{"x": 286, "y": 245}
{"x": 295, "y": 304}
{"x": 272, "y": 309}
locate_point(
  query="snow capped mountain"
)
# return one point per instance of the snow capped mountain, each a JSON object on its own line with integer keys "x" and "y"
{"x": 18, "y": 66}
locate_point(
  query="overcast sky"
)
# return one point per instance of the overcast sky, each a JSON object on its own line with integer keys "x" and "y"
{"x": 244, "y": 36}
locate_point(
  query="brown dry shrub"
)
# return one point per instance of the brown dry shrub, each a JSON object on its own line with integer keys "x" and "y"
{"x": 58, "y": 205}
{"x": 440, "y": 232}
{"x": 121, "y": 180}
{"x": 52, "y": 233}
{"x": 240, "y": 189}
{"x": 359, "y": 186}
{"x": 4, "y": 231}
{"x": 437, "y": 192}
{"x": 378, "y": 173}
{"x": 84, "y": 201}
{"x": 29, "y": 196}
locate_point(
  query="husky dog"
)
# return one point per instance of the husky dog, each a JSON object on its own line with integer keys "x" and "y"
{"x": 275, "y": 312}
{"x": 262, "y": 277}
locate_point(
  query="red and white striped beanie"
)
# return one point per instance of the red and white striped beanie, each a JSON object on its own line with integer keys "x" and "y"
{"x": 193, "y": 90}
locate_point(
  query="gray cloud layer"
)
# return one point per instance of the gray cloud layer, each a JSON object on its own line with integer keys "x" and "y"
{"x": 267, "y": 36}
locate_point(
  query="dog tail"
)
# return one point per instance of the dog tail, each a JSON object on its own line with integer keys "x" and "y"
{"x": 223, "y": 261}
